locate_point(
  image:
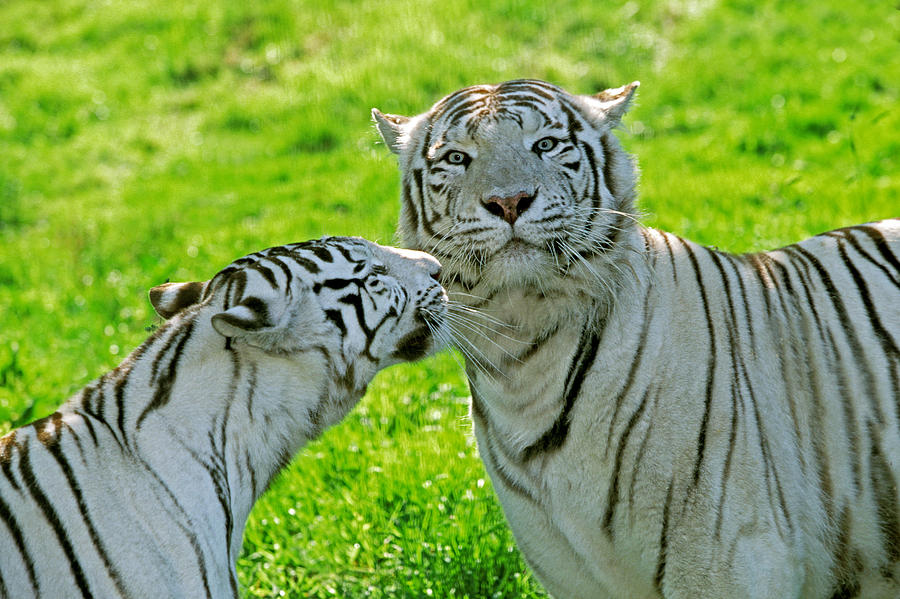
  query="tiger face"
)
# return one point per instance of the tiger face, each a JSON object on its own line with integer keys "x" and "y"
{"x": 511, "y": 184}
{"x": 363, "y": 305}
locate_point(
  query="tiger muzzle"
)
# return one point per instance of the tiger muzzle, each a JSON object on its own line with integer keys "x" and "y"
{"x": 509, "y": 208}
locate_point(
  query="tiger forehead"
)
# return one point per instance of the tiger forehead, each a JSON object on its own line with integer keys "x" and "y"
{"x": 308, "y": 260}
{"x": 466, "y": 129}
{"x": 497, "y": 106}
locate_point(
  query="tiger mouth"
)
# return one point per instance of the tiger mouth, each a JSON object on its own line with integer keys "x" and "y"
{"x": 414, "y": 345}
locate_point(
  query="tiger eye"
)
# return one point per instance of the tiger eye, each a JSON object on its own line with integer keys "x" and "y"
{"x": 545, "y": 145}
{"x": 456, "y": 158}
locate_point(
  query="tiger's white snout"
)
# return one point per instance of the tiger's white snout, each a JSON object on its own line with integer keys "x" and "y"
{"x": 423, "y": 319}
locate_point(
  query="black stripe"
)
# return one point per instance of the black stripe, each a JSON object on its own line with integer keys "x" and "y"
{"x": 882, "y": 246}
{"x": 339, "y": 283}
{"x": 307, "y": 264}
{"x": 738, "y": 367}
{"x": 608, "y": 157}
{"x": 848, "y": 563}
{"x": 879, "y": 244}
{"x": 354, "y": 300}
{"x": 748, "y": 313}
{"x": 87, "y": 413}
{"x": 419, "y": 190}
{"x": 7, "y": 517}
{"x": 765, "y": 450}
{"x": 288, "y": 271}
{"x": 85, "y": 418}
{"x": 835, "y": 365}
{"x": 322, "y": 253}
{"x": 162, "y": 351}
{"x": 595, "y": 180}
{"x": 411, "y": 208}
{"x": 189, "y": 530}
{"x": 711, "y": 364}
{"x": 665, "y": 237}
{"x": 639, "y": 457}
{"x": 533, "y": 348}
{"x": 659, "y": 577}
{"x": 56, "y": 451}
{"x": 726, "y": 468}
{"x": 163, "y": 391}
{"x": 884, "y": 487}
{"x": 508, "y": 482}
{"x": 757, "y": 262}
{"x": 267, "y": 273}
{"x": 218, "y": 468}
{"x": 52, "y": 517}
{"x": 119, "y": 390}
{"x": 554, "y": 437}
{"x": 337, "y": 318}
{"x": 635, "y": 365}
{"x": 847, "y": 326}
{"x": 883, "y": 335}
{"x": 612, "y": 498}
{"x": 7, "y": 444}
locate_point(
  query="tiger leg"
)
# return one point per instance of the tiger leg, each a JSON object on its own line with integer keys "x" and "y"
{"x": 561, "y": 571}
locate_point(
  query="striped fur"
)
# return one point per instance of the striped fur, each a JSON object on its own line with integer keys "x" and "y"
{"x": 140, "y": 485}
{"x": 660, "y": 419}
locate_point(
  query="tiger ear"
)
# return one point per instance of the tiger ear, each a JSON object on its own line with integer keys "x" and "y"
{"x": 610, "y": 105}
{"x": 170, "y": 298}
{"x": 252, "y": 314}
{"x": 391, "y": 127}
{"x": 268, "y": 320}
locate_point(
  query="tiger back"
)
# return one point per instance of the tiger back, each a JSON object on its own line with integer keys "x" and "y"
{"x": 140, "y": 484}
{"x": 659, "y": 419}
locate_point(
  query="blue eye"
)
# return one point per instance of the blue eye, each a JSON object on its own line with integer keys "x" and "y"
{"x": 457, "y": 157}
{"x": 544, "y": 145}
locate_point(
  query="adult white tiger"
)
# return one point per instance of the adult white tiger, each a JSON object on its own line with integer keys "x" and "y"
{"x": 658, "y": 418}
{"x": 140, "y": 485}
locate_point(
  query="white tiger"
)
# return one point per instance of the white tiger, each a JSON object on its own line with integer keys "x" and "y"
{"x": 140, "y": 485}
{"x": 659, "y": 419}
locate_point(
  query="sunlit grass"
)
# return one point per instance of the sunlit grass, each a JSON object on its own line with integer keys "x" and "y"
{"x": 142, "y": 141}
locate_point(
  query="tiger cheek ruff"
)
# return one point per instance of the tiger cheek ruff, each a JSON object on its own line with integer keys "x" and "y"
{"x": 659, "y": 419}
{"x": 139, "y": 486}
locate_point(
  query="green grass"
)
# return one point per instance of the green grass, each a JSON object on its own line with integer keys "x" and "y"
{"x": 141, "y": 141}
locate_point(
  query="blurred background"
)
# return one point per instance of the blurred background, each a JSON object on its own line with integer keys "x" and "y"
{"x": 143, "y": 141}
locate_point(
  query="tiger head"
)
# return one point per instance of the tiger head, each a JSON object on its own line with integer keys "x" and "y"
{"x": 362, "y": 305}
{"x": 513, "y": 184}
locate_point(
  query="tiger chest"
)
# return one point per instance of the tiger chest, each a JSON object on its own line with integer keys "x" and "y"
{"x": 548, "y": 505}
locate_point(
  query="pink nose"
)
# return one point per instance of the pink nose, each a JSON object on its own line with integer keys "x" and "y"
{"x": 509, "y": 208}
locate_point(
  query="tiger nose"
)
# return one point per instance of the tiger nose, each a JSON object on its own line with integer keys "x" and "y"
{"x": 509, "y": 208}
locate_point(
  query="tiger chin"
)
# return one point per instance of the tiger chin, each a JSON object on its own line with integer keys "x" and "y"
{"x": 140, "y": 485}
{"x": 659, "y": 419}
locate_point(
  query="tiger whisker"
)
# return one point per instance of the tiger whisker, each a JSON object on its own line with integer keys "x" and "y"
{"x": 481, "y": 314}
{"x": 474, "y": 329}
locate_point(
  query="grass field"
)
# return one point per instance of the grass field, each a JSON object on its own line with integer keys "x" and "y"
{"x": 141, "y": 141}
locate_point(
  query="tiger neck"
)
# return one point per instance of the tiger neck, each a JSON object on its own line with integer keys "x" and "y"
{"x": 209, "y": 424}
{"x": 526, "y": 372}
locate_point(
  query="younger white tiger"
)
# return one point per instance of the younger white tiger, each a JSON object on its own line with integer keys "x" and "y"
{"x": 140, "y": 485}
